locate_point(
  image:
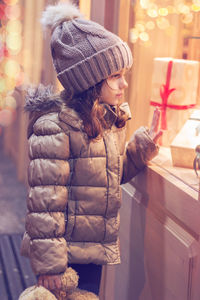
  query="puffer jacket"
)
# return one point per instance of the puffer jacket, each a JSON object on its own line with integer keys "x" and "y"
{"x": 75, "y": 194}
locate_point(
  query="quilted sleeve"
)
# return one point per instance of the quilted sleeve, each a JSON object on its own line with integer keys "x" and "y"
{"x": 48, "y": 174}
{"x": 139, "y": 151}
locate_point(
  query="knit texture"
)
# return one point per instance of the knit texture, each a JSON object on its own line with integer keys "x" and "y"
{"x": 84, "y": 53}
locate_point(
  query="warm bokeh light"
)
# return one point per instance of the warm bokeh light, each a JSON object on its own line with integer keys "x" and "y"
{"x": 14, "y": 26}
{"x": 183, "y": 9}
{"x": 10, "y": 2}
{"x": 144, "y": 3}
{"x": 150, "y": 25}
{"x": 14, "y": 42}
{"x": 195, "y": 7}
{"x": 13, "y": 12}
{"x": 144, "y": 36}
{"x": 140, "y": 27}
{"x": 134, "y": 34}
{"x": 152, "y": 12}
{"x": 2, "y": 85}
{"x": 187, "y": 18}
{"x": 10, "y": 102}
{"x": 12, "y": 68}
{"x": 162, "y": 23}
{"x": 163, "y": 11}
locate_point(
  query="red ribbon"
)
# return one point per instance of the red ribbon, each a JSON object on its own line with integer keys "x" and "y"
{"x": 165, "y": 91}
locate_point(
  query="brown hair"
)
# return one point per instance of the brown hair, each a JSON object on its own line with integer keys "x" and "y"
{"x": 92, "y": 112}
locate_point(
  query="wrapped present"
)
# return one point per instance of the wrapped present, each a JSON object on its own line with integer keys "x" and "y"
{"x": 184, "y": 144}
{"x": 174, "y": 91}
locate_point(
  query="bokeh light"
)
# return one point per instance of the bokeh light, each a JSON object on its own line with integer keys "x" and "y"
{"x": 14, "y": 26}
{"x": 10, "y": 2}
{"x": 144, "y": 3}
{"x": 2, "y": 85}
{"x": 162, "y": 23}
{"x": 187, "y": 19}
{"x": 140, "y": 27}
{"x": 14, "y": 42}
{"x": 150, "y": 25}
{"x": 183, "y": 9}
{"x": 195, "y": 7}
{"x": 10, "y": 102}
{"x": 144, "y": 36}
{"x": 134, "y": 34}
{"x": 13, "y": 12}
{"x": 12, "y": 68}
{"x": 163, "y": 11}
{"x": 152, "y": 12}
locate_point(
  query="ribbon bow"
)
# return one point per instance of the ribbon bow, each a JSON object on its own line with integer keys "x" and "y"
{"x": 165, "y": 92}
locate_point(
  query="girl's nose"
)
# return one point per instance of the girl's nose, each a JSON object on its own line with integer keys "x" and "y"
{"x": 123, "y": 83}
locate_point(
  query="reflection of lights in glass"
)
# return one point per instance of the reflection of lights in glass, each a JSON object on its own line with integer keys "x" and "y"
{"x": 14, "y": 26}
{"x": 14, "y": 42}
{"x": 140, "y": 27}
{"x": 12, "y": 68}
{"x": 162, "y": 23}
{"x": 150, "y": 25}
{"x": 13, "y": 12}
{"x": 187, "y": 18}
{"x": 144, "y": 36}
{"x": 133, "y": 35}
{"x": 163, "y": 11}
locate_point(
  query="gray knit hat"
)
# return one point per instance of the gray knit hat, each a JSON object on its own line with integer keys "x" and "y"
{"x": 84, "y": 53}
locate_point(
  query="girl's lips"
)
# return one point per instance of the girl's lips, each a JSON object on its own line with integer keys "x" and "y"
{"x": 119, "y": 95}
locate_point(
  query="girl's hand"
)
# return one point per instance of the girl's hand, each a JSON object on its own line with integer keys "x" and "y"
{"x": 50, "y": 282}
{"x": 153, "y": 132}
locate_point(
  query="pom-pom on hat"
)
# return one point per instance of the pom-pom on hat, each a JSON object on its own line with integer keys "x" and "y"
{"x": 84, "y": 52}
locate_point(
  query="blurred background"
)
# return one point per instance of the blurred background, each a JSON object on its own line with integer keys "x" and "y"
{"x": 153, "y": 28}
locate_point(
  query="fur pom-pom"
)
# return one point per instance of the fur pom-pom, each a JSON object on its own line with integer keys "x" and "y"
{"x": 56, "y": 14}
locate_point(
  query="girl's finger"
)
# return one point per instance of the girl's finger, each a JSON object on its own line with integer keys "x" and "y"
{"x": 157, "y": 136}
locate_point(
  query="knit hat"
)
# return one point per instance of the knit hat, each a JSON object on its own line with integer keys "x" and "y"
{"x": 84, "y": 52}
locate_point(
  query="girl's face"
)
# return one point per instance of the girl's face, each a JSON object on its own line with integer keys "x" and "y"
{"x": 112, "y": 90}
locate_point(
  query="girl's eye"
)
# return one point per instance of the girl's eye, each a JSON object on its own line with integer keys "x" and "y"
{"x": 116, "y": 76}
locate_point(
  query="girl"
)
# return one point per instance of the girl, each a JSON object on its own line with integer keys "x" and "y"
{"x": 77, "y": 152}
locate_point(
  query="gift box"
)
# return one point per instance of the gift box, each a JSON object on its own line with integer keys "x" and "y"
{"x": 184, "y": 144}
{"x": 174, "y": 91}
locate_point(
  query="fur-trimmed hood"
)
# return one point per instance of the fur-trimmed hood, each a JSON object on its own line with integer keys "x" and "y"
{"x": 41, "y": 99}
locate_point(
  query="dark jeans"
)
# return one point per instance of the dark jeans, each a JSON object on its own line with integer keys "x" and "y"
{"x": 89, "y": 276}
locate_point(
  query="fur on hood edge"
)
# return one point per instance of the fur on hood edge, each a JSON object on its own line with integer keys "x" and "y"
{"x": 41, "y": 99}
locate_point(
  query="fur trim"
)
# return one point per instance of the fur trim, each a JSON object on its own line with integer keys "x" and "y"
{"x": 56, "y": 14}
{"x": 41, "y": 99}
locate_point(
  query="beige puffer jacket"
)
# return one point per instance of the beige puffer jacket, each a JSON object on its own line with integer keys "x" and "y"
{"x": 75, "y": 194}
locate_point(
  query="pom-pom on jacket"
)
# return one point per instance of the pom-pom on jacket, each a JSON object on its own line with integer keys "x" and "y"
{"x": 75, "y": 194}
